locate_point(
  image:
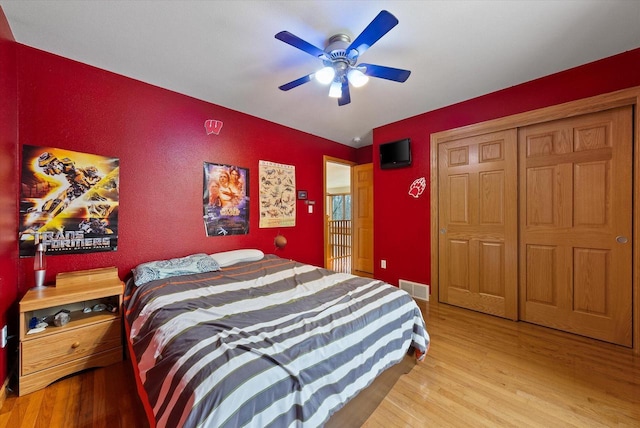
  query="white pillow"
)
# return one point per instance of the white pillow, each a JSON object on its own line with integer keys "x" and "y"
{"x": 228, "y": 258}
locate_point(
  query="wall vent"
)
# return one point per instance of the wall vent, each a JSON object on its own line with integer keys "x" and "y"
{"x": 417, "y": 290}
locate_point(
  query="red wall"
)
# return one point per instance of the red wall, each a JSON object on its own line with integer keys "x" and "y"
{"x": 160, "y": 139}
{"x": 364, "y": 155}
{"x": 401, "y": 222}
{"x": 8, "y": 186}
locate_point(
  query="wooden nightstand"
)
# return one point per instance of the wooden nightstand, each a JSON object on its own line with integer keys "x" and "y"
{"x": 89, "y": 339}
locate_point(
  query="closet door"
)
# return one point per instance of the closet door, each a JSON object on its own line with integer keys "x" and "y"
{"x": 478, "y": 223}
{"x": 576, "y": 214}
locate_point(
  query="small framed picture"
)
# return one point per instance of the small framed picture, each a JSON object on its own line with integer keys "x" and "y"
{"x": 302, "y": 194}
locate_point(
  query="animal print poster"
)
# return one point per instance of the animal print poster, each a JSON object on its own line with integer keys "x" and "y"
{"x": 68, "y": 201}
{"x": 277, "y": 194}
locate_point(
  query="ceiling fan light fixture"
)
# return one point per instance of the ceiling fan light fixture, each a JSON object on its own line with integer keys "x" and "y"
{"x": 325, "y": 75}
{"x": 340, "y": 59}
{"x": 335, "y": 91}
{"x": 357, "y": 78}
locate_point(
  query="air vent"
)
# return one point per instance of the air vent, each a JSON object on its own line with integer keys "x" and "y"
{"x": 415, "y": 289}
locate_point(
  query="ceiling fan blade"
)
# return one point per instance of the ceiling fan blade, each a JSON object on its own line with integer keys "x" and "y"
{"x": 297, "y": 42}
{"x": 346, "y": 96}
{"x": 383, "y": 72}
{"x": 377, "y": 28}
{"x": 297, "y": 82}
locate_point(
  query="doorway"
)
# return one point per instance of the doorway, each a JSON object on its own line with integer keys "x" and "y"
{"x": 337, "y": 215}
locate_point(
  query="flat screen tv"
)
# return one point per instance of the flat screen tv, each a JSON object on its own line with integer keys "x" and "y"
{"x": 395, "y": 154}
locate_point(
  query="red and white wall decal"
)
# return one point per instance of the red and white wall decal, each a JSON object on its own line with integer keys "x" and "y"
{"x": 213, "y": 126}
{"x": 417, "y": 187}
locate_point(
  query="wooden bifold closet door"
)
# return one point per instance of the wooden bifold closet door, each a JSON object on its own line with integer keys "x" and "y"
{"x": 575, "y": 225}
{"x": 535, "y": 223}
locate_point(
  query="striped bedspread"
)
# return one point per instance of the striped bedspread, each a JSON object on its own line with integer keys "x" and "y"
{"x": 272, "y": 343}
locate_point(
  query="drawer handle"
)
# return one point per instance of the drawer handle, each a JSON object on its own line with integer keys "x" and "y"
{"x": 75, "y": 345}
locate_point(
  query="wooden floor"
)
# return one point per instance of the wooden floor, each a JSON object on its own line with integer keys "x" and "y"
{"x": 100, "y": 398}
{"x": 481, "y": 371}
{"x": 484, "y": 371}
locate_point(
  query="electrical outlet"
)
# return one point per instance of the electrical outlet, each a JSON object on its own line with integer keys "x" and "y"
{"x": 383, "y": 264}
{"x": 3, "y": 336}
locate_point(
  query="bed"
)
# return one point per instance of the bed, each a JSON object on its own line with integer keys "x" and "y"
{"x": 259, "y": 340}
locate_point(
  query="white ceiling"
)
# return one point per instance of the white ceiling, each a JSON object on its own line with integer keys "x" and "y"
{"x": 225, "y": 52}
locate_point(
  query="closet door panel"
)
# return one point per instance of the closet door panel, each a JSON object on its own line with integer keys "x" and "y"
{"x": 478, "y": 223}
{"x": 575, "y": 205}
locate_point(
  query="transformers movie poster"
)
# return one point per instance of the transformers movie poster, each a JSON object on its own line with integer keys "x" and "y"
{"x": 69, "y": 202}
{"x": 226, "y": 200}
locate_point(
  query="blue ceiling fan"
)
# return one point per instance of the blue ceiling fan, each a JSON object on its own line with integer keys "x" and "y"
{"x": 340, "y": 59}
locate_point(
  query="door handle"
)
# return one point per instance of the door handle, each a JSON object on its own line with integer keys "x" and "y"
{"x": 443, "y": 231}
{"x": 621, "y": 239}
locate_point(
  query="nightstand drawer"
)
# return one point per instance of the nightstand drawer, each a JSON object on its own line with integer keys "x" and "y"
{"x": 55, "y": 349}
